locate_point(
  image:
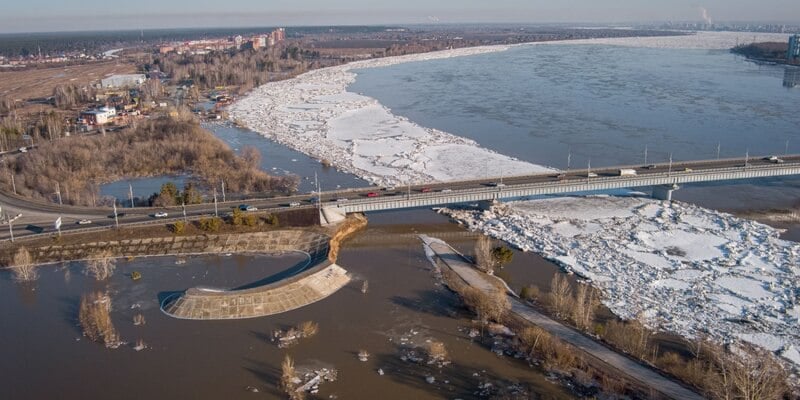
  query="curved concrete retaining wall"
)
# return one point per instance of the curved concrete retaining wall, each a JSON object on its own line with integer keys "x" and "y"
{"x": 316, "y": 283}
{"x": 298, "y": 291}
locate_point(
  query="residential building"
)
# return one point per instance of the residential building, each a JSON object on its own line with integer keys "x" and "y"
{"x": 794, "y": 47}
{"x": 127, "y": 80}
{"x": 100, "y": 116}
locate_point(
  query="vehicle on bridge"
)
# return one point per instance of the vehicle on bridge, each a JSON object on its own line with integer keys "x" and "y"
{"x": 294, "y": 204}
{"x": 247, "y": 207}
{"x": 774, "y": 159}
{"x": 650, "y": 166}
{"x": 161, "y": 214}
{"x": 496, "y": 184}
{"x": 84, "y": 222}
{"x": 627, "y": 172}
{"x": 372, "y": 194}
{"x": 425, "y": 190}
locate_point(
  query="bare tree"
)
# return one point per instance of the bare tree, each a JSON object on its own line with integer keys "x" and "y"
{"x": 489, "y": 306}
{"x": 586, "y": 301}
{"x": 560, "y": 295}
{"x": 290, "y": 382}
{"x": 22, "y": 266}
{"x": 748, "y": 374}
{"x": 365, "y": 286}
{"x": 101, "y": 266}
{"x": 484, "y": 258}
{"x": 95, "y": 319}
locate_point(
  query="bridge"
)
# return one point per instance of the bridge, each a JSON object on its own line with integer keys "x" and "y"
{"x": 662, "y": 179}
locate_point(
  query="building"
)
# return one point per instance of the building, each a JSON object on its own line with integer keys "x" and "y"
{"x": 118, "y": 81}
{"x": 794, "y": 48}
{"x": 100, "y": 116}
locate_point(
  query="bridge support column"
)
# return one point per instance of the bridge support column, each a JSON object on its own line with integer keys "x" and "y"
{"x": 486, "y": 205}
{"x": 331, "y": 216}
{"x": 664, "y": 192}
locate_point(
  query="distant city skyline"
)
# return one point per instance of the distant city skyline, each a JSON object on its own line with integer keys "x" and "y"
{"x": 56, "y": 15}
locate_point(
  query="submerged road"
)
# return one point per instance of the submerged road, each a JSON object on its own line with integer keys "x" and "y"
{"x": 636, "y": 371}
{"x": 38, "y": 216}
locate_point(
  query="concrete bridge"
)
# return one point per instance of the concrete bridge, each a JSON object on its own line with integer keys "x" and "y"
{"x": 662, "y": 179}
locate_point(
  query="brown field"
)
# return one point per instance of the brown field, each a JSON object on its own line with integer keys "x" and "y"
{"x": 35, "y": 83}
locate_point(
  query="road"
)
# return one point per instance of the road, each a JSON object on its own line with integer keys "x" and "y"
{"x": 634, "y": 370}
{"x": 38, "y": 216}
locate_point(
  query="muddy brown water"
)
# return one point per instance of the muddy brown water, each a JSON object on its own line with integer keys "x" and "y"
{"x": 44, "y": 356}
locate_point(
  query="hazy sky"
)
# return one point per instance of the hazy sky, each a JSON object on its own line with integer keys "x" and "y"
{"x": 54, "y": 15}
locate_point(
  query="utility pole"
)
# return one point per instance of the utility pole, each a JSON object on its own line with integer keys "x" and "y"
{"x": 183, "y": 204}
{"x": 719, "y": 146}
{"x": 10, "y": 227}
{"x": 746, "y": 157}
{"x": 223, "y": 191}
{"x": 588, "y": 170}
{"x": 58, "y": 193}
{"x": 216, "y": 212}
{"x": 116, "y": 218}
{"x": 13, "y": 185}
{"x": 645, "y": 154}
{"x": 669, "y": 171}
{"x": 786, "y": 148}
{"x": 569, "y": 158}
{"x": 130, "y": 191}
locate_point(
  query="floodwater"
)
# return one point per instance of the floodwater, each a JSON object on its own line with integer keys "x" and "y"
{"x": 142, "y": 188}
{"x": 44, "y": 355}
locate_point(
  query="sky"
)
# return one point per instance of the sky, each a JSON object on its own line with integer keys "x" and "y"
{"x": 57, "y": 15}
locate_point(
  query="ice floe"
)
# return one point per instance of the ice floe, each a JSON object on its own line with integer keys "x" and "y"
{"x": 315, "y": 114}
{"x": 701, "y": 272}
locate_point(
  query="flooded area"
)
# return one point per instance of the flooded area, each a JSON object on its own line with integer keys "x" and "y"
{"x": 142, "y": 188}
{"x": 403, "y": 308}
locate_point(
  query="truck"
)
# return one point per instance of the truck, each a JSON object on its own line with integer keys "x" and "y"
{"x": 627, "y": 172}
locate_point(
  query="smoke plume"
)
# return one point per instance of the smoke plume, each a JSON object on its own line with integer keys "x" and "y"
{"x": 705, "y": 16}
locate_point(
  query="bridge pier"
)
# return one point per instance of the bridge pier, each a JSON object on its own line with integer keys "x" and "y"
{"x": 664, "y": 192}
{"x": 486, "y": 205}
{"x": 331, "y": 216}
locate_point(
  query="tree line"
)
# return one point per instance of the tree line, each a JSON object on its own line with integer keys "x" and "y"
{"x": 77, "y": 166}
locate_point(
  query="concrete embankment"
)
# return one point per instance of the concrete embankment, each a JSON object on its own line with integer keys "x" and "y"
{"x": 315, "y": 244}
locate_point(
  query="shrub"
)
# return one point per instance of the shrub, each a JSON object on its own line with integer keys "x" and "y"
{"x": 489, "y": 306}
{"x": 179, "y": 228}
{"x": 437, "y": 352}
{"x": 250, "y": 220}
{"x": 289, "y": 380}
{"x": 308, "y": 328}
{"x": 271, "y": 219}
{"x": 530, "y": 293}
{"x": 560, "y": 296}
{"x": 502, "y": 255}
{"x": 210, "y": 224}
{"x": 237, "y": 217}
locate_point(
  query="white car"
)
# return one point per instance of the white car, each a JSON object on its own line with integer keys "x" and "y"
{"x": 161, "y": 214}
{"x": 251, "y": 208}
{"x": 294, "y": 204}
{"x": 446, "y": 190}
{"x": 84, "y": 222}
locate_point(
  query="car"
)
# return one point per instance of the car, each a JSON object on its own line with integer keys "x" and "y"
{"x": 84, "y": 222}
{"x": 446, "y": 190}
{"x": 247, "y": 207}
{"x": 770, "y": 158}
{"x": 341, "y": 199}
{"x": 561, "y": 177}
{"x": 591, "y": 175}
{"x": 23, "y": 150}
{"x": 496, "y": 184}
{"x": 161, "y": 214}
{"x": 372, "y": 194}
{"x": 687, "y": 170}
{"x": 389, "y": 188}
{"x": 313, "y": 200}
{"x": 294, "y": 204}
{"x": 651, "y": 166}
{"x": 425, "y": 190}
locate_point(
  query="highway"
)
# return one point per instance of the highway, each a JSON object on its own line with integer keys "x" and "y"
{"x": 38, "y": 216}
